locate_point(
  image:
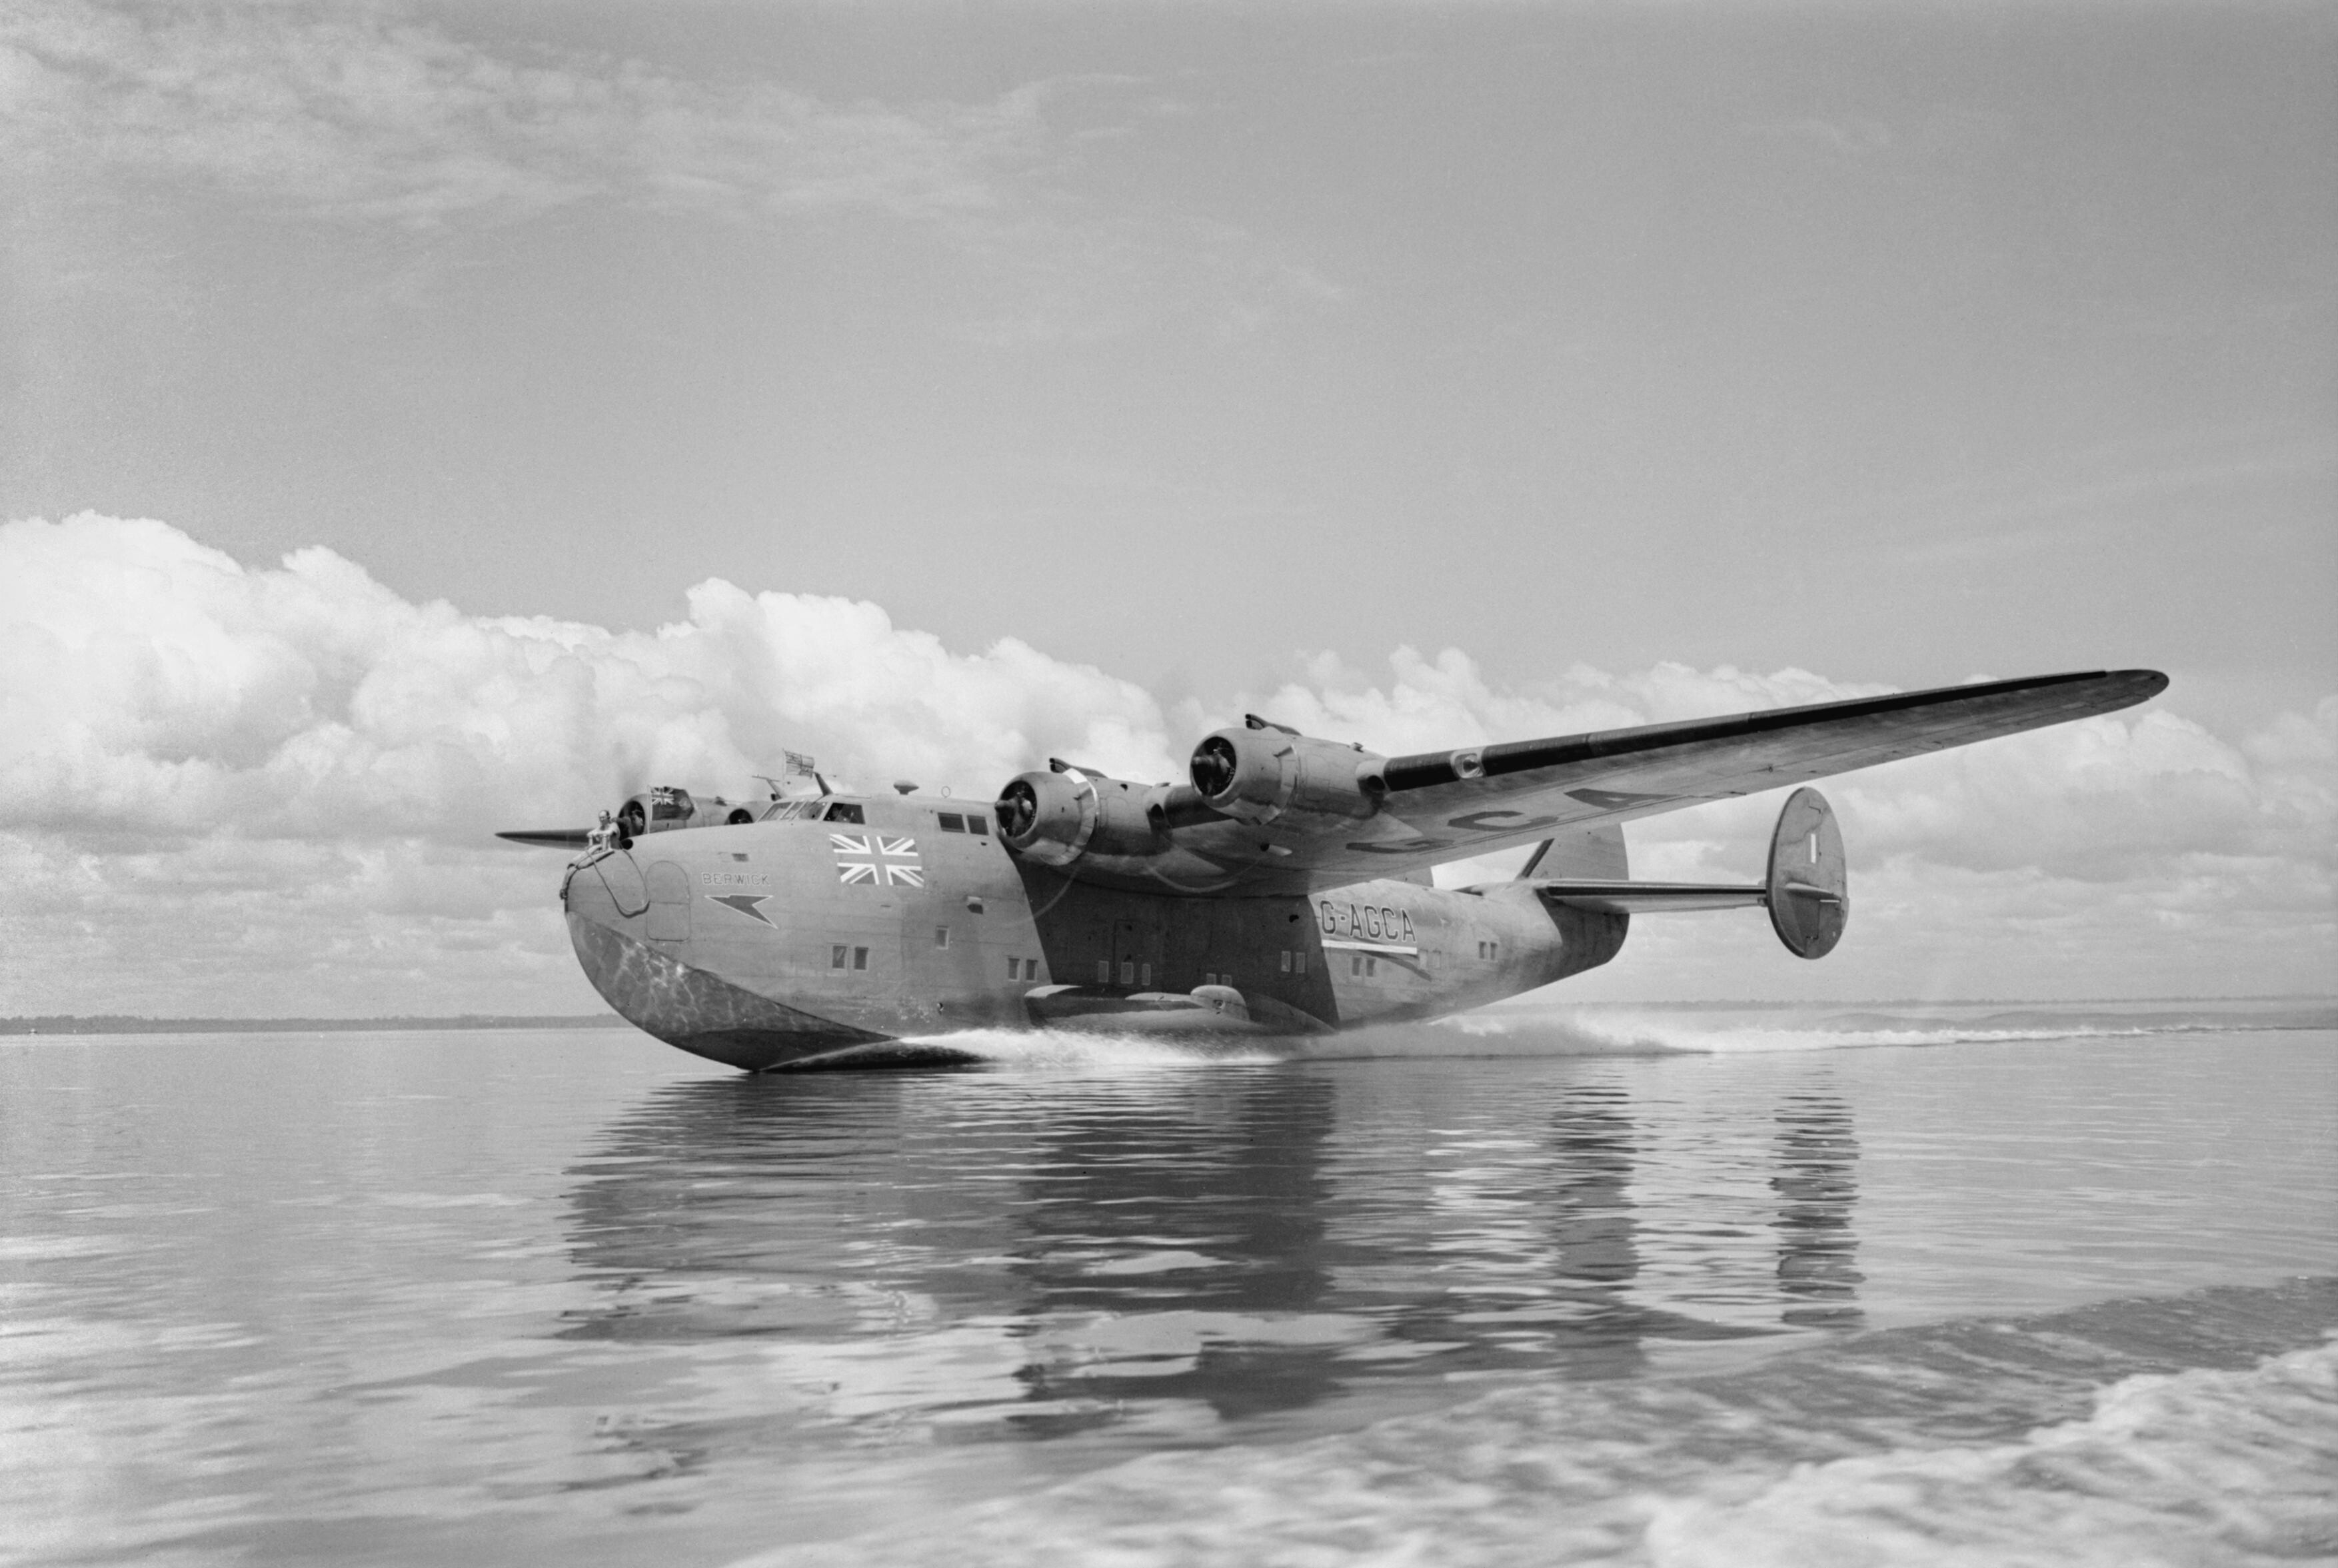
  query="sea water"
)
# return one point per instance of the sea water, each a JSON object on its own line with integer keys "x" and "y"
{"x": 1986, "y": 1284}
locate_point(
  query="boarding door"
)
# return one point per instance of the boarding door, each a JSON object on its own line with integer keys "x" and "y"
{"x": 1135, "y": 955}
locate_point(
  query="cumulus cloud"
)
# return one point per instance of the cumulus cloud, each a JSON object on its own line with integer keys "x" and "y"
{"x": 158, "y": 690}
{"x": 271, "y": 789}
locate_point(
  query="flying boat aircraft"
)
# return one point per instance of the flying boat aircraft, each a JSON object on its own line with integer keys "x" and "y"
{"x": 1282, "y": 888}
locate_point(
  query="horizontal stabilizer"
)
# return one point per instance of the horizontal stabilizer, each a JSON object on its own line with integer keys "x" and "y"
{"x": 551, "y": 837}
{"x": 1650, "y": 897}
{"x": 1807, "y": 892}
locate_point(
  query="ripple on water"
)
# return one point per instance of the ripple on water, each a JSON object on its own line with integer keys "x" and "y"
{"x": 2048, "y": 1440}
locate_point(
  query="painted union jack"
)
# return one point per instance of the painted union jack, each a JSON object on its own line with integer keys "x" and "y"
{"x": 874, "y": 858}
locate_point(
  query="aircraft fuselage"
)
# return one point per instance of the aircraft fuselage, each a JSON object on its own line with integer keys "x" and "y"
{"x": 772, "y": 941}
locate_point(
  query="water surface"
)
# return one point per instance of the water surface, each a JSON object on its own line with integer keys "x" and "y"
{"x": 1633, "y": 1288}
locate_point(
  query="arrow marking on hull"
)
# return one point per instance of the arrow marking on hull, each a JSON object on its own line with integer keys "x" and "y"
{"x": 743, "y": 903}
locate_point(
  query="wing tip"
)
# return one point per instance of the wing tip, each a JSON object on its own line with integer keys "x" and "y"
{"x": 2072, "y": 694}
{"x": 2126, "y": 687}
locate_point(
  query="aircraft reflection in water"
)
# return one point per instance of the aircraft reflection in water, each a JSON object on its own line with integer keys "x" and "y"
{"x": 1814, "y": 1183}
{"x": 1284, "y": 889}
{"x": 1063, "y": 1253}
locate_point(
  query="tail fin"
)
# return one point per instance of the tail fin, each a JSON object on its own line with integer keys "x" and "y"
{"x": 1586, "y": 855}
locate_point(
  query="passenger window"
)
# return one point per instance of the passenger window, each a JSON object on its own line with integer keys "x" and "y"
{"x": 1145, "y": 976}
{"x": 952, "y": 822}
{"x": 1355, "y": 963}
{"x": 1302, "y": 962}
{"x": 978, "y": 823}
{"x": 860, "y": 958}
{"x": 1286, "y": 960}
{"x": 941, "y": 936}
{"x": 836, "y": 956}
{"x": 1371, "y": 966}
{"x": 846, "y": 811}
{"x": 1103, "y": 971}
{"x": 1015, "y": 968}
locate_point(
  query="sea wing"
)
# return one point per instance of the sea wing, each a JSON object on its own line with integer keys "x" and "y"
{"x": 1441, "y": 805}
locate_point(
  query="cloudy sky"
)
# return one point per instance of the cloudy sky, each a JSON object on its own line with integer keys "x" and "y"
{"x": 421, "y": 419}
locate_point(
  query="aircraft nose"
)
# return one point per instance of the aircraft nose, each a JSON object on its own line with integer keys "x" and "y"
{"x": 607, "y": 890}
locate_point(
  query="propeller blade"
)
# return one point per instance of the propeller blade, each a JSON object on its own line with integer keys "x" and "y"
{"x": 552, "y": 838}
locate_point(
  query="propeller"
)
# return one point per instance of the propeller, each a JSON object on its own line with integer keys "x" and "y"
{"x": 1017, "y": 807}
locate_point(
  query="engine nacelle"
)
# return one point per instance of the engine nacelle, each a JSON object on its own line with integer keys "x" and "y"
{"x": 1261, "y": 771}
{"x": 1047, "y": 817}
{"x": 1057, "y": 816}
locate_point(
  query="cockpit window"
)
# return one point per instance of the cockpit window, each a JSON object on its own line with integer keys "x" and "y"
{"x": 845, "y": 811}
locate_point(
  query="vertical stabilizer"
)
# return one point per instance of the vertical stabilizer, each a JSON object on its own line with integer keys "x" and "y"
{"x": 1809, "y": 886}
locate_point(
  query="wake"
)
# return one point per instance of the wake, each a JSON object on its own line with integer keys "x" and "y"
{"x": 1593, "y": 1030}
{"x": 1071, "y": 1050}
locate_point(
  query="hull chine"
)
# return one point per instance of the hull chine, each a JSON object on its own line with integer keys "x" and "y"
{"x": 700, "y": 1013}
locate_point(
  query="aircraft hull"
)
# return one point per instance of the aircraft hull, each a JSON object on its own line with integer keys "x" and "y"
{"x": 787, "y": 943}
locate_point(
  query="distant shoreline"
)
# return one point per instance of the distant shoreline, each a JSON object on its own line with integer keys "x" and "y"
{"x": 1680, "y": 1005}
{"x": 112, "y": 1023}
{"x": 123, "y": 1024}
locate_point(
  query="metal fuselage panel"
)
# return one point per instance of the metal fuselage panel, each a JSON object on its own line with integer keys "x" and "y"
{"x": 769, "y": 942}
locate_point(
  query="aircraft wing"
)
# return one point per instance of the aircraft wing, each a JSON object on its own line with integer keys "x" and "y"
{"x": 1442, "y": 805}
